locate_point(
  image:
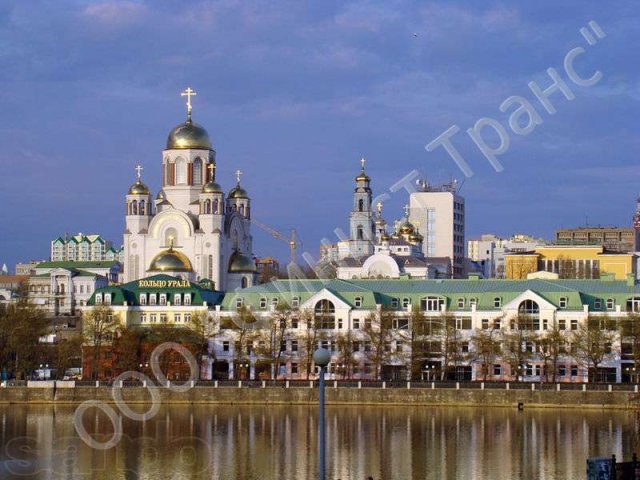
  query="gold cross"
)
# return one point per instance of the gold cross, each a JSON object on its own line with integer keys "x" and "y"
{"x": 362, "y": 162}
{"x": 189, "y": 92}
{"x": 406, "y": 210}
{"x": 238, "y": 174}
{"x": 139, "y": 171}
{"x": 379, "y": 207}
{"x": 212, "y": 169}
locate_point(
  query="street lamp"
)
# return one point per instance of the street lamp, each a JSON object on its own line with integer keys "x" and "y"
{"x": 321, "y": 357}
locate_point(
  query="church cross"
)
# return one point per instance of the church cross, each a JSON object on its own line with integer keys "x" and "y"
{"x": 139, "y": 170}
{"x": 238, "y": 175}
{"x": 379, "y": 207}
{"x": 406, "y": 210}
{"x": 362, "y": 162}
{"x": 212, "y": 168}
{"x": 189, "y": 92}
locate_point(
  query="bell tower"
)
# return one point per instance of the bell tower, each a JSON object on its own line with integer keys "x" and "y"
{"x": 361, "y": 221}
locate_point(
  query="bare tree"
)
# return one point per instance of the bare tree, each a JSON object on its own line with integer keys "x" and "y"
{"x": 553, "y": 345}
{"x": 99, "y": 327}
{"x": 344, "y": 347}
{"x": 377, "y": 334}
{"x": 451, "y": 339}
{"x": 518, "y": 344}
{"x": 593, "y": 342}
{"x": 487, "y": 347}
{"x": 418, "y": 343}
{"x": 309, "y": 337}
{"x": 245, "y": 326}
{"x": 630, "y": 338}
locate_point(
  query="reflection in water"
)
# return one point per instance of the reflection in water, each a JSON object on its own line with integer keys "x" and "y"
{"x": 216, "y": 442}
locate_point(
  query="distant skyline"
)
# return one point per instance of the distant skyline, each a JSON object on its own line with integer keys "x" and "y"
{"x": 293, "y": 94}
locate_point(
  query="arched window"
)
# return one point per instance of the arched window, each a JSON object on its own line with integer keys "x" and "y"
{"x": 215, "y": 206}
{"x": 181, "y": 171}
{"x": 325, "y": 315}
{"x": 207, "y": 206}
{"x": 529, "y": 307}
{"x": 361, "y": 205}
{"x": 134, "y": 207}
{"x": 142, "y": 206}
{"x": 241, "y": 210}
{"x": 197, "y": 172}
{"x": 360, "y": 233}
{"x": 245, "y": 282}
{"x": 170, "y": 235}
{"x": 171, "y": 173}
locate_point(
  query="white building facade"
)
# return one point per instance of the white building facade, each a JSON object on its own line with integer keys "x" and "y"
{"x": 191, "y": 229}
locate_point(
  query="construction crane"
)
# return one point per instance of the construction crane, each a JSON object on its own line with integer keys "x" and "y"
{"x": 291, "y": 240}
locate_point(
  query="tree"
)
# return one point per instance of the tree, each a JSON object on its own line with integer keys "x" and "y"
{"x": 487, "y": 347}
{"x": 68, "y": 354}
{"x": 418, "y": 344}
{"x": 593, "y": 340}
{"x": 451, "y": 339}
{"x": 21, "y": 326}
{"x": 344, "y": 347}
{"x": 127, "y": 350}
{"x": 553, "y": 345}
{"x": 309, "y": 337}
{"x": 273, "y": 337}
{"x": 519, "y": 341}
{"x": 99, "y": 328}
{"x": 377, "y": 334}
{"x": 245, "y": 325}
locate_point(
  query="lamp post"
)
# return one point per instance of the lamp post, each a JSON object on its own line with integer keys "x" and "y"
{"x": 321, "y": 357}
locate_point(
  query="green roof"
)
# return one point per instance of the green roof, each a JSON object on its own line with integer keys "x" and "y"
{"x": 130, "y": 292}
{"x": 576, "y": 293}
{"x": 78, "y": 265}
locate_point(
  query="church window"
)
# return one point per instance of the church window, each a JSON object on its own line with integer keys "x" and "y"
{"x": 207, "y": 206}
{"x": 163, "y": 299}
{"x": 176, "y": 299}
{"x": 361, "y": 205}
{"x": 181, "y": 172}
{"x": 197, "y": 172}
{"x": 241, "y": 210}
{"x": 143, "y": 299}
{"x": 187, "y": 299}
{"x": 134, "y": 207}
{"x": 215, "y": 206}
{"x": 152, "y": 299}
{"x": 360, "y": 233}
{"x": 142, "y": 205}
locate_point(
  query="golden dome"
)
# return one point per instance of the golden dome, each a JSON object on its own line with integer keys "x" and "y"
{"x": 170, "y": 261}
{"x": 188, "y": 135}
{"x": 212, "y": 187}
{"x": 415, "y": 238}
{"x": 385, "y": 237}
{"x": 406, "y": 228}
{"x": 138, "y": 188}
{"x": 241, "y": 263}
{"x": 238, "y": 192}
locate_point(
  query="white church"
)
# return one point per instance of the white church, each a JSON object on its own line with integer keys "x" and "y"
{"x": 191, "y": 230}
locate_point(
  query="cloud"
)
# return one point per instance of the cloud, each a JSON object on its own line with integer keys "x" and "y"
{"x": 115, "y": 14}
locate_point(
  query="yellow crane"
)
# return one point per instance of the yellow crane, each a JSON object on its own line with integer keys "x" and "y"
{"x": 291, "y": 240}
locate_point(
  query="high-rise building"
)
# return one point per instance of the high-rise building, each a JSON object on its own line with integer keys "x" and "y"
{"x": 636, "y": 225}
{"x": 438, "y": 213}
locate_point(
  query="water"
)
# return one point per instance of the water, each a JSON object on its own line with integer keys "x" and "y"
{"x": 220, "y": 442}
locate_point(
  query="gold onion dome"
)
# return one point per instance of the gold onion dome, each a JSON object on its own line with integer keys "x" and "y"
{"x": 188, "y": 135}
{"x": 241, "y": 263}
{"x": 138, "y": 188}
{"x": 415, "y": 238}
{"x": 385, "y": 237}
{"x": 161, "y": 195}
{"x": 406, "y": 228}
{"x": 170, "y": 261}
{"x": 362, "y": 177}
{"x": 212, "y": 187}
{"x": 238, "y": 192}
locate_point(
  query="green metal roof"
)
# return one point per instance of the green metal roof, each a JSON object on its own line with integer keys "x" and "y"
{"x": 130, "y": 292}
{"x": 576, "y": 293}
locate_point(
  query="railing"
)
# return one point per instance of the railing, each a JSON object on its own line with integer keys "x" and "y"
{"x": 363, "y": 384}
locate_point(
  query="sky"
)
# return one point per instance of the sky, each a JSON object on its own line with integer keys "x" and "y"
{"x": 295, "y": 93}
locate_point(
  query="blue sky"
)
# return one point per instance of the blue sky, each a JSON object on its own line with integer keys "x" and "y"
{"x": 294, "y": 93}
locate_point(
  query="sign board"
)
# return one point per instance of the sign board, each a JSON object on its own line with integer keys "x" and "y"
{"x": 600, "y": 468}
{"x": 163, "y": 284}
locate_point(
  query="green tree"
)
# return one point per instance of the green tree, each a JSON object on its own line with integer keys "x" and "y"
{"x": 99, "y": 327}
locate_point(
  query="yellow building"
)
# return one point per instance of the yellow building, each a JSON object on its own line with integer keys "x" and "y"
{"x": 570, "y": 261}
